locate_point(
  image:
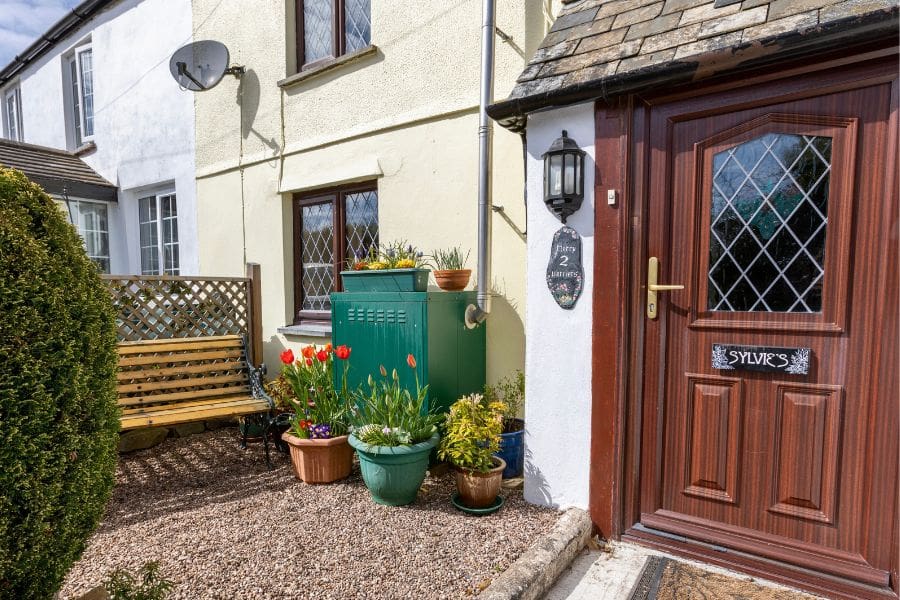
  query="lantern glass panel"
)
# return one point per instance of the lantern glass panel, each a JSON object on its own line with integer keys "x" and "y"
{"x": 555, "y": 175}
{"x": 569, "y": 174}
{"x": 579, "y": 166}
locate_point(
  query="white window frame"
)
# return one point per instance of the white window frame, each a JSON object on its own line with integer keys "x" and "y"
{"x": 161, "y": 242}
{"x": 77, "y": 104}
{"x": 13, "y": 119}
{"x": 76, "y": 218}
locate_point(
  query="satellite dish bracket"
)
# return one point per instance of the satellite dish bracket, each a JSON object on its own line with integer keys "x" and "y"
{"x": 236, "y": 71}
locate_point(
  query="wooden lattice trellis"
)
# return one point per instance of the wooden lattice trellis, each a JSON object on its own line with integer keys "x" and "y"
{"x": 156, "y": 307}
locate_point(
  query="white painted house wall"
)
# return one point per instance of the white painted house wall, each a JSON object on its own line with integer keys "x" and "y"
{"x": 557, "y": 341}
{"x": 143, "y": 123}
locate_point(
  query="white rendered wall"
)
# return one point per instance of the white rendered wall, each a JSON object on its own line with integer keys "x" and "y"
{"x": 143, "y": 123}
{"x": 558, "y": 341}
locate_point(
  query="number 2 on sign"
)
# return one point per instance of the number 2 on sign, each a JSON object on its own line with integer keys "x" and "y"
{"x": 564, "y": 261}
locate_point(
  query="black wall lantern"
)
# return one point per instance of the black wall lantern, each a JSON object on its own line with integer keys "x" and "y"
{"x": 563, "y": 177}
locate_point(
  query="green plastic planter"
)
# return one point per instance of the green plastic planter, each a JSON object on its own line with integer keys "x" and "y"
{"x": 393, "y": 474}
{"x": 388, "y": 280}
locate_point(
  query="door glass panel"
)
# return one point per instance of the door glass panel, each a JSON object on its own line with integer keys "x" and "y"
{"x": 768, "y": 224}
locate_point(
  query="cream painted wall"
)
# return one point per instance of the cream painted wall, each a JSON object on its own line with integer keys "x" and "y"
{"x": 405, "y": 116}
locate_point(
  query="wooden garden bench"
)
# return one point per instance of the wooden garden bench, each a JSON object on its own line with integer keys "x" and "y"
{"x": 182, "y": 380}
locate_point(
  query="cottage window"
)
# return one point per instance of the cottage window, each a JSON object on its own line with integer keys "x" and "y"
{"x": 91, "y": 219}
{"x": 327, "y": 29}
{"x": 331, "y": 227}
{"x": 158, "y": 216}
{"x": 12, "y": 114}
{"x": 80, "y": 79}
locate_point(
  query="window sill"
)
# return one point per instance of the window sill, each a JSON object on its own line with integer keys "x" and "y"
{"x": 307, "y": 330}
{"x": 85, "y": 148}
{"x": 329, "y": 66}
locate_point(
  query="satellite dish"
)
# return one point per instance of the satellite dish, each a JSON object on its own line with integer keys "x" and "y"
{"x": 200, "y": 66}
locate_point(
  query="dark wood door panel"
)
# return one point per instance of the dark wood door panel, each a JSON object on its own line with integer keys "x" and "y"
{"x": 791, "y": 467}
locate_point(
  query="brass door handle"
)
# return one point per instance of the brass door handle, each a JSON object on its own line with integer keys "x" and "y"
{"x": 653, "y": 287}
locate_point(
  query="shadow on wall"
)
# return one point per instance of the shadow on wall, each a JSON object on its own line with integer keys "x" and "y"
{"x": 537, "y": 490}
{"x": 247, "y": 99}
{"x": 505, "y": 338}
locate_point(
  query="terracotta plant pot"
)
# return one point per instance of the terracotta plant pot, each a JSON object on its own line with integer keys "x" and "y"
{"x": 452, "y": 280}
{"x": 320, "y": 461}
{"x": 479, "y": 490}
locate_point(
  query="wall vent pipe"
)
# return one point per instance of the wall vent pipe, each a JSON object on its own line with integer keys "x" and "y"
{"x": 477, "y": 313}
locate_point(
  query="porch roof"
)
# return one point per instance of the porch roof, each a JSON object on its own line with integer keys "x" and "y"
{"x": 604, "y": 48}
{"x": 57, "y": 171}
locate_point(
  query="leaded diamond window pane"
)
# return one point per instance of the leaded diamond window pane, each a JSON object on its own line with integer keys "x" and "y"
{"x": 362, "y": 223}
{"x": 318, "y": 19}
{"x": 358, "y": 28}
{"x": 768, "y": 224}
{"x": 317, "y": 242}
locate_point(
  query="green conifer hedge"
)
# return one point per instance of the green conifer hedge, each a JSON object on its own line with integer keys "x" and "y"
{"x": 58, "y": 415}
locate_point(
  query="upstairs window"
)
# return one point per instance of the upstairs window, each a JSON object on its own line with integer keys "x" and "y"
{"x": 327, "y": 29}
{"x": 158, "y": 216}
{"x": 12, "y": 114}
{"x": 81, "y": 79}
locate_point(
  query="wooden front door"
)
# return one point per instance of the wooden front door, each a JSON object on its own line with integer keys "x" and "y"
{"x": 780, "y": 220}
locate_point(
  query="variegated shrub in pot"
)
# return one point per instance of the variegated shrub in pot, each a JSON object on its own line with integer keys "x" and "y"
{"x": 317, "y": 438}
{"x": 511, "y": 392}
{"x": 471, "y": 437}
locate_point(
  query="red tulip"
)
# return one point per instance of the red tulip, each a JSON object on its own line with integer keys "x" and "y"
{"x": 308, "y": 351}
{"x": 342, "y": 352}
{"x": 411, "y": 361}
{"x": 322, "y": 355}
{"x": 308, "y": 362}
{"x": 287, "y": 357}
{"x": 328, "y": 347}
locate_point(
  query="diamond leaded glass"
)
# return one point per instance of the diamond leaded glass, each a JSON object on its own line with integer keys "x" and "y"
{"x": 317, "y": 33}
{"x": 358, "y": 28}
{"x": 317, "y": 242}
{"x": 767, "y": 232}
{"x": 362, "y": 223}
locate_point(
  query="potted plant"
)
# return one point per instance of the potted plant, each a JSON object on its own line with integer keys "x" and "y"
{"x": 396, "y": 267}
{"x": 318, "y": 441}
{"x": 471, "y": 437}
{"x": 393, "y": 434}
{"x": 511, "y": 392}
{"x": 449, "y": 269}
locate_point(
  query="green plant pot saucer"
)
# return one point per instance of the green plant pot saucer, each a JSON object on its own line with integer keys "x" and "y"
{"x": 478, "y": 512}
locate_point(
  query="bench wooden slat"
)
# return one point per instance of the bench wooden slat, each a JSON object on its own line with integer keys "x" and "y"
{"x": 225, "y": 400}
{"x": 168, "y": 384}
{"x": 168, "y": 398}
{"x": 209, "y": 367}
{"x": 176, "y": 344}
{"x": 200, "y": 413}
{"x": 154, "y": 359}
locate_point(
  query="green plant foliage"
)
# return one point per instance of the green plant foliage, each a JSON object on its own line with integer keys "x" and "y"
{"x": 511, "y": 392}
{"x": 149, "y": 585}
{"x": 450, "y": 259}
{"x": 472, "y": 433}
{"x": 388, "y": 415}
{"x": 58, "y": 414}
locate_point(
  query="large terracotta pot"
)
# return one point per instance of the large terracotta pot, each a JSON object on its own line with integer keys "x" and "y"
{"x": 479, "y": 490}
{"x": 320, "y": 461}
{"x": 393, "y": 474}
{"x": 452, "y": 280}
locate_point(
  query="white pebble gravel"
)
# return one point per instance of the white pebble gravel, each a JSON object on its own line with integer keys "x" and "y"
{"x": 222, "y": 526}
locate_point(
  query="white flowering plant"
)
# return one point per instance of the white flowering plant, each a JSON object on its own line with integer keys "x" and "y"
{"x": 389, "y": 415}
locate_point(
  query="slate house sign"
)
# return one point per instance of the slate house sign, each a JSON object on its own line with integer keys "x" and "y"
{"x": 793, "y": 361}
{"x": 565, "y": 275}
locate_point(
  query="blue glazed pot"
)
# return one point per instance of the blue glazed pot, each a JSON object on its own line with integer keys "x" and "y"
{"x": 393, "y": 474}
{"x": 512, "y": 450}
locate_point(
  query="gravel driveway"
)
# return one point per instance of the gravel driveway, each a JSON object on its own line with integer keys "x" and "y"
{"x": 222, "y": 526}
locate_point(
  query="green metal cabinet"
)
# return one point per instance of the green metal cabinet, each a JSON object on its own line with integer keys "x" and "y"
{"x": 382, "y": 328}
